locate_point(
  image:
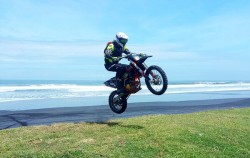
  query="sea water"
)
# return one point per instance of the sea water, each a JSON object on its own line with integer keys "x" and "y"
{"x": 33, "y": 94}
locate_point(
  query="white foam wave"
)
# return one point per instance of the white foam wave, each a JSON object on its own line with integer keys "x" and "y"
{"x": 16, "y": 99}
{"x": 72, "y": 88}
{"x": 43, "y": 91}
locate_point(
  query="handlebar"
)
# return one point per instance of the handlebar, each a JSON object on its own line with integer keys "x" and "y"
{"x": 126, "y": 56}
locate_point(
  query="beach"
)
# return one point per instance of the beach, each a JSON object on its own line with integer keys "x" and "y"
{"x": 102, "y": 113}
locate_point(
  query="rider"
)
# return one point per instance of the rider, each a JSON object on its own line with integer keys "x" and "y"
{"x": 112, "y": 52}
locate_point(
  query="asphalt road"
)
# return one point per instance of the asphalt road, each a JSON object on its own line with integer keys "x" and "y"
{"x": 102, "y": 113}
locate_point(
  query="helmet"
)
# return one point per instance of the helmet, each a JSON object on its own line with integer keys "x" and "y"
{"x": 121, "y": 39}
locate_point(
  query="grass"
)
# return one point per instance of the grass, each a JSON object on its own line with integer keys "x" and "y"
{"x": 222, "y": 133}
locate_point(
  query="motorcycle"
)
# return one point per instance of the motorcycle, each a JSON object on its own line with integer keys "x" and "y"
{"x": 155, "y": 79}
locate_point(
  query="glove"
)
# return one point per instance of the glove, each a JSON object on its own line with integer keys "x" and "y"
{"x": 142, "y": 54}
{"x": 115, "y": 58}
{"x": 127, "y": 52}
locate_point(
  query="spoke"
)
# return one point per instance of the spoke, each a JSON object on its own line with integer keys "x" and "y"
{"x": 117, "y": 102}
{"x": 156, "y": 83}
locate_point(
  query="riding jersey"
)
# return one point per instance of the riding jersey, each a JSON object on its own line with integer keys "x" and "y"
{"x": 111, "y": 51}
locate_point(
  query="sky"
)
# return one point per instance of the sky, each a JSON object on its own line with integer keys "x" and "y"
{"x": 192, "y": 40}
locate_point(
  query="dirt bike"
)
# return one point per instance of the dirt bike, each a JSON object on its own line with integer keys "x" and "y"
{"x": 155, "y": 79}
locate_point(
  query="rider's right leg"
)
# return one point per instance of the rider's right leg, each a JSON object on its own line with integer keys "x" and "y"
{"x": 120, "y": 82}
{"x": 120, "y": 69}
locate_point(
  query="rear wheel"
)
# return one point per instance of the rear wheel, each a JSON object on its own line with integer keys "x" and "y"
{"x": 157, "y": 81}
{"x": 117, "y": 103}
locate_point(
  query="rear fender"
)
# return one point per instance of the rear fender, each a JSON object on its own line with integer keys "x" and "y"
{"x": 111, "y": 82}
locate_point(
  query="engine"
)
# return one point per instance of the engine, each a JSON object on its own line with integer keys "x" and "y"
{"x": 133, "y": 85}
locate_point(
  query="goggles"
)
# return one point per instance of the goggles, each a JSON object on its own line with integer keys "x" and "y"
{"x": 123, "y": 41}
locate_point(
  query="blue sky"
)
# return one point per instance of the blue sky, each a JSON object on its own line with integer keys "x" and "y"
{"x": 64, "y": 39}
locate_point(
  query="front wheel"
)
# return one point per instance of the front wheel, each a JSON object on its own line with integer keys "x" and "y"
{"x": 117, "y": 103}
{"x": 156, "y": 80}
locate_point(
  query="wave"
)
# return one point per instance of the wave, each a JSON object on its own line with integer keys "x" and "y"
{"x": 44, "y": 91}
{"x": 69, "y": 87}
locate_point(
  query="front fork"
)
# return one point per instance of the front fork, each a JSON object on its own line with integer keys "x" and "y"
{"x": 151, "y": 73}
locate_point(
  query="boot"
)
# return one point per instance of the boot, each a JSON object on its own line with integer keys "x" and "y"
{"x": 120, "y": 85}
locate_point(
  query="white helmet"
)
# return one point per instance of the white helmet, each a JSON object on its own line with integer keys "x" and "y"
{"x": 121, "y": 38}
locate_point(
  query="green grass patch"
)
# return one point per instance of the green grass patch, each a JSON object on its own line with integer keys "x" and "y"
{"x": 222, "y": 133}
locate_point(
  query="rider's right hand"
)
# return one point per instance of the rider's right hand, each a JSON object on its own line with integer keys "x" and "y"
{"x": 142, "y": 54}
{"x": 115, "y": 58}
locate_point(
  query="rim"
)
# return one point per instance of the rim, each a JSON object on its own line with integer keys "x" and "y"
{"x": 156, "y": 82}
{"x": 117, "y": 102}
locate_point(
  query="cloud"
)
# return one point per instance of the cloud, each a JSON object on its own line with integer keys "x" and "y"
{"x": 166, "y": 52}
{"x": 226, "y": 31}
{"x": 54, "y": 20}
{"x": 48, "y": 52}
{"x": 18, "y": 50}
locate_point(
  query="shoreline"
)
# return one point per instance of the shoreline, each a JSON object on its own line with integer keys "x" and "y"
{"x": 102, "y": 113}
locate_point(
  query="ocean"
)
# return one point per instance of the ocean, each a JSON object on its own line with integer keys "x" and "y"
{"x": 35, "y": 94}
